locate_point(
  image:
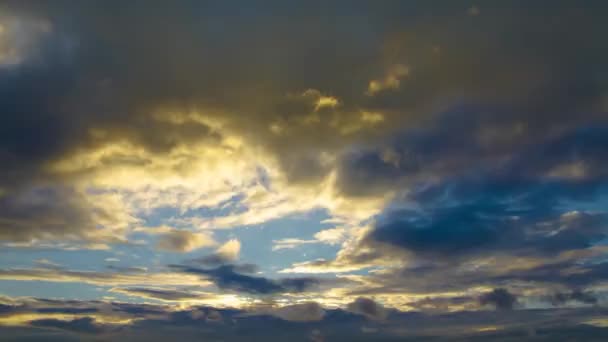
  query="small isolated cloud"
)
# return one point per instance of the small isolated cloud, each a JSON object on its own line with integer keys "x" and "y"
{"x": 368, "y": 308}
{"x": 290, "y": 243}
{"x": 331, "y": 236}
{"x": 226, "y": 253}
{"x": 500, "y": 298}
{"x": 328, "y": 236}
{"x": 46, "y": 263}
{"x": 392, "y": 80}
{"x": 182, "y": 241}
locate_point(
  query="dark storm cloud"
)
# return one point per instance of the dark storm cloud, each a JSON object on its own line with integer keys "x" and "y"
{"x": 487, "y": 223}
{"x": 460, "y": 144}
{"x": 230, "y": 278}
{"x": 477, "y": 202}
{"x": 502, "y": 299}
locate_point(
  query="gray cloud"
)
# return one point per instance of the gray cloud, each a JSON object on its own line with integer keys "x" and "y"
{"x": 81, "y": 325}
{"x": 182, "y": 241}
{"x": 368, "y": 308}
{"x": 162, "y": 294}
{"x": 230, "y": 277}
{"x": 502, "y": 299}
{"x": 304, "y": 312}
{"x": 561, "y": 298}
{"x": 155, "y": 322}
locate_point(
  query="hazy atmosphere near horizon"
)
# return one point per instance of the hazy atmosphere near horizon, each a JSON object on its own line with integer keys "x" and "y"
{"x": 303, "y": 170}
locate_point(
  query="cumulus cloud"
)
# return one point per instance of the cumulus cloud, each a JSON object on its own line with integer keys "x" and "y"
{"x": 183, "y": 241}
{"x": 368, "y": 308}
{"x": 226, "y": 253}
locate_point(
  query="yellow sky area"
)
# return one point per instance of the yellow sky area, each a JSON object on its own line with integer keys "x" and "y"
{"x": 601, "y": 322}
{"x": 105, "y": 278}
{"x": 23, "y": 319}
{"x": 193, "y": 298}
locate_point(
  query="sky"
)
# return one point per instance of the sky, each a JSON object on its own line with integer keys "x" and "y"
{"x": 303, "y": 170}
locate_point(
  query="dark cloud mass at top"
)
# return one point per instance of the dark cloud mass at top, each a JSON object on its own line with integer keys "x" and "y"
{"x": 404, "y": 162}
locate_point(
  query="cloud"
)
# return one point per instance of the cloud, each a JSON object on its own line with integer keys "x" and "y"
{"x": 561, "y": 298}
{"x": 170, "y": 295}
{"x": 84, "y": 325}
{"x": 474, "y": 211}
{"x": 46, "y": 263}
{"x": 35, "y": 318}
{"x": 290, "y": 243}
{"x": 440, "y": 304}
{"x": 62, "y": 214}
{"x": 183, "y": 241}
{"x": 228, "y": 277}
{"x": 67, "y": 310}
{"x": 303, "y": 312}
{"x": 474, "y": 149}
{"x": 328, "y": 236}
{"x": 109, "y": 117}
{"x": 500, "y": 298}
{"x": 122, "y": 277}
{"x": 129, "y": 121}
{"x": 226, "y": 253}
{"x": 331, "y": 236}
{"x": 392, "y": 80}
{"x": 368, "y": 308}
